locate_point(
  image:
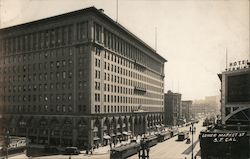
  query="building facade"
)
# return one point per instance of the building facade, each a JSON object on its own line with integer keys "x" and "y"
{"x": 186, "y": 109}
{"x": 235, "y": 98}
{"x": 172, "y": 108}
{"x": 209, "y": 105}
{"x": 78, "y": 79}
{"x": 231, "y": 136}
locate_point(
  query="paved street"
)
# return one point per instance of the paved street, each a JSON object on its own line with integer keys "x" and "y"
{"x": 170, "y": 149}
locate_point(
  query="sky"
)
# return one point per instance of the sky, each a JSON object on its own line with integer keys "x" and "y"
{"x": 193, "y": 35}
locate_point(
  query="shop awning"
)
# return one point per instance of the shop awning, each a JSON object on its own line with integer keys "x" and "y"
{"x": 112, "y": 134}
{"x": 96, "y": 138}
{"x": 118, "y": 133}
{"x": 125, "y": 133}
{"x": 158, "y": 126}
{"x": 107, "y": 137}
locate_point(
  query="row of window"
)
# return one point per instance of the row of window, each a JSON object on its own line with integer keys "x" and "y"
{"x": 131, "y": 100}
{"x": 117, "y": 89}
{"x": 37, "y": 40}
{"x": 69, "y": 108}
{"x": 110, "y": 65}
{"x": 41, "y": 56}
{"x": 40, "y": 98}
{"x": 36, "y": 67}
{"x": 117, "y": 44}
{"x": 40, "y": 87}
{"x": 36, "y": 108}
{"x": 123, "y": 90}
{"x": 112, "y": 58}
{"x": 41, "y": 76}
{"x": 120, "y": 80}
{"x": 121, "y": 109}
{"x": 131, "y": 74}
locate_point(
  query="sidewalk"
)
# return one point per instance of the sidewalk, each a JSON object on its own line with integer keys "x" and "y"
{"x": 105, "y": 149}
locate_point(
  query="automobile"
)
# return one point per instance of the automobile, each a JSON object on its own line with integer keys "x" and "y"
{"x": 133, "y": 141}
{"x": 183, "y": 135}
{"x": 71, "y": 151}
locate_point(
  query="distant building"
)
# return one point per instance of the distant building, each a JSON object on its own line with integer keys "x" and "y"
{"x": 172, "y": 108}
{"x": 206, "y": 106}
{"x": 78, "y": 79}
{"x": 186, "y": 109}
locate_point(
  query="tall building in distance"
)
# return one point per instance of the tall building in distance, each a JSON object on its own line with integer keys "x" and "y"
{"x": 78, "y": 79}
{"x": 172, "y": 108}
{"x": 209, "y": 105}
{"x": 186, "y": 109}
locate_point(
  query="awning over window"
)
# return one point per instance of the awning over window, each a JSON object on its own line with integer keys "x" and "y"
{"x": 107, "y": 137}
{"x": 96, "y": 138}
{"x": 125, "y": 133}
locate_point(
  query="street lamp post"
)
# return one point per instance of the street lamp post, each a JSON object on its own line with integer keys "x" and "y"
{"x": 7, "y": 142}
{"x": 192, "y": 131}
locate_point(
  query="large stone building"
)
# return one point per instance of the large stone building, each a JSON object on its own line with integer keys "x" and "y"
{"x": 78, "y": 79}
{"x": 172, "y": 108}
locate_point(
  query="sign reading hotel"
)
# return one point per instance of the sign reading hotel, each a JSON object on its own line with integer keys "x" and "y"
{"x": 224, "y": 137}
{"x": 238, "y": 65}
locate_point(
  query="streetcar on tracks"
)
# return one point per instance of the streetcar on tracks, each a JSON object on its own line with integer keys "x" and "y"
{"x": 183, "y": 135}
{"x": 151, "y": 140}
{"x": 174, "y": 132}
{"x": 12, "y": 145}
{"x": 125, "y": 151}
{"x": 162, "y": 136}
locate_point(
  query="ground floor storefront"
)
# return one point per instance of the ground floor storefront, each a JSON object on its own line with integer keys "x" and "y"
{"x": 85, "y": 132}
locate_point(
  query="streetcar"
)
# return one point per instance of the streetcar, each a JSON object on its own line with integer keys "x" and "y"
{"x": 15, "y": 145}
{"x": 151, "y": 140}
{"x": 162, "y": 136}
{"x": 125, "y": 151}
{"x": 183, "y": 135}
{"x": 174, "y": 132}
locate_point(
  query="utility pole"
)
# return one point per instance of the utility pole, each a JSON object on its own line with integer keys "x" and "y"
{"x": 117, "y": 11}
{"x": 155, "y": 39}
{"x": 7, "y": 142}
{"x": 226, "y": 59}
{"x": 0, "y": 13}
{"x": 249, "y": 34}
{"x": 192, "y": 131}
